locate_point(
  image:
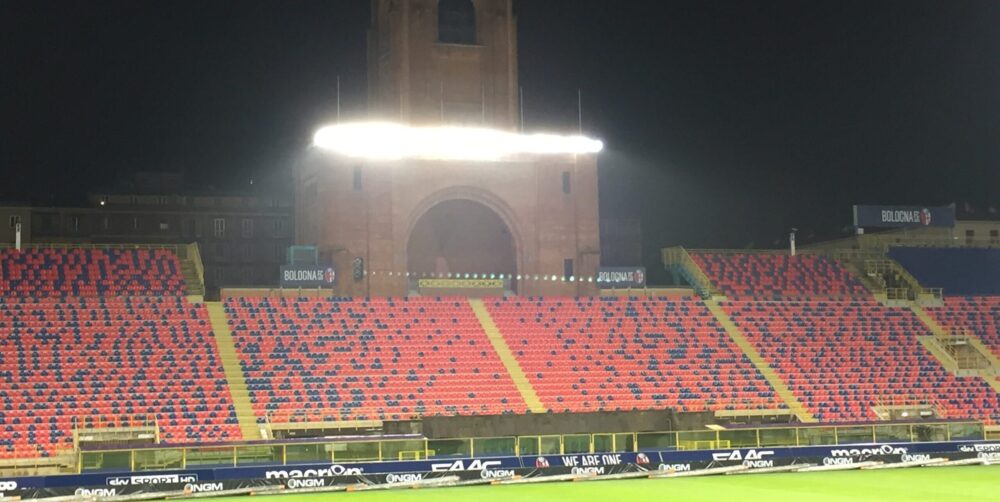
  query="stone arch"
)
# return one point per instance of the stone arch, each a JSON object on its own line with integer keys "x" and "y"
{"x": 472, "y": 194}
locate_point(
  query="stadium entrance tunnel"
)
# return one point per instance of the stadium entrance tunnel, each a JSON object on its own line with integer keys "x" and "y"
{"x": 463, "y": 238}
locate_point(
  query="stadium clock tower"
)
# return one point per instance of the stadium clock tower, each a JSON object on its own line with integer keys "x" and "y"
{"x": 447, "y": 61}
{"x": 530, "y": 218}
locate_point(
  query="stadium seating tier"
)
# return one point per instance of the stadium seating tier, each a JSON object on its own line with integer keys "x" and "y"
{"x": 977, "y": 316}
{"x": 108, "y": 358}
{"x": 379, "y": 358}
{"x": 778, "y": 276}
{"x": 841, "y": 358}
{"x": 62, "y": 272}
{"x": 610, "y": 354}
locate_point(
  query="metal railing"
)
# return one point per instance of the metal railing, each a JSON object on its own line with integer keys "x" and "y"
{"x": 376, "y": 450}
{"x": 678, "y": 256}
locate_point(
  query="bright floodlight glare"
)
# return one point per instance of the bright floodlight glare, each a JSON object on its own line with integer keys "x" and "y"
{"x": 383, "y": 140}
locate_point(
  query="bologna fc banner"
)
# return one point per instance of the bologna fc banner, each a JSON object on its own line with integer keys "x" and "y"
{"x": 307, "y": 277}
{"x": 903, "y": 216}
{"x": 621, "y": 277}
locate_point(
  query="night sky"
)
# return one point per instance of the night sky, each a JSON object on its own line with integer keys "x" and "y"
{"x": 729, "y": 121}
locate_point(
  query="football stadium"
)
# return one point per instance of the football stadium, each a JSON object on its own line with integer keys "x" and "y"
{"x": 443, "y": 326}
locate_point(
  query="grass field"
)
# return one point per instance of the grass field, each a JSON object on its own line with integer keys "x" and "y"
{"x": 942, "y": 484}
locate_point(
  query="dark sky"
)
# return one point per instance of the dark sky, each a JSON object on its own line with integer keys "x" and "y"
{"x": 732, "y": 120}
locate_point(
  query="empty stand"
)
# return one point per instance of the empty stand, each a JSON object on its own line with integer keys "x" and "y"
{"x": 379, "y": 358}
{"x": 976, "y": 316}
{"x": 778, "y": 276}
{"x": 40, "y": 273}
{"x": 108, "y": 358}
{"x": 592, "y": 354}
{"x": 959, "y": 271}
{"x": 842, "y": 358}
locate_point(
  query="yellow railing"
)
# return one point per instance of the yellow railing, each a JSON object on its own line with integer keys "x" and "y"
{"x": 394, "y": 449}
{"x": 194, "y": 254}
{"x": 680, "y": 257}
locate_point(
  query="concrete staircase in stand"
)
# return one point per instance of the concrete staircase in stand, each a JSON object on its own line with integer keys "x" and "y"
{"x": 506, "y": 356}
{"x": 969, "y": 358}
{"x": 779, "y": 386}
{"x": 234, "y": 372}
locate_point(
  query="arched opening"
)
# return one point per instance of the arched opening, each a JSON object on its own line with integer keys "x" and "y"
{"x": 456, "y": 22}
{"x": 461, "y": 236}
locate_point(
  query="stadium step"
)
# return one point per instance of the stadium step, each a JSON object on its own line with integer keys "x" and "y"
{"x": 234, "y": 373}
{"x": 779, "y": 386}
{"x": 191, "y": 269}
{"x": 990, "y": 370}
{"x": 506, "y": 356}
{"x": 680, "y": 261}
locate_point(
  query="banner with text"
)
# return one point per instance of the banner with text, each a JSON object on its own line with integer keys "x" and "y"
{"x": 903, "y": 216}
{"x": 307, "y": 277}
{"x": 621, "y": 277}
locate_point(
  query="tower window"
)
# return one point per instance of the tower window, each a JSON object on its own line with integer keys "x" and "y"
{"x": 456, "y": 22}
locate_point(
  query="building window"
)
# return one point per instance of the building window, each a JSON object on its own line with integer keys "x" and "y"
{"x": 456, "y": 22}
{"x": 357, "y": 177}
{"x": 106, "y": 223}
{"x": 164, "y": 226}
{"x": 279, "y": 227}
{"x": 994, "y": 236}
{"x": 135, "y": 223}
{"x": 220, "y": 227}
{"x": 566, "y": 182}
{"x": 15, "y": 220}
{"x": 75, "y": 223}
{"x": 567, "y": 269}
{"x": 246, "y": 227}
{"x": 970, "y": 236}
{"x": 247, "y": 252}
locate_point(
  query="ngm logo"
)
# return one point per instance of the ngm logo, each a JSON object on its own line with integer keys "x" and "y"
{"x": 588, "y": 470}
{"x": 403, "y": 478}
{"x": 496, "y": 473}
{"x": 202, "y": 487}
{"x": 296, "y": 483}
{"x": 838, "y": 461}
{"x": 675, "y": 467}
{"x": 96, "y": 492}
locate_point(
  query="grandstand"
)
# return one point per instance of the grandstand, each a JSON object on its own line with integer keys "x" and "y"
{"x": 844, "y": 358}
{"x": 104, "y": 334}
{"x": 94, "y": 335}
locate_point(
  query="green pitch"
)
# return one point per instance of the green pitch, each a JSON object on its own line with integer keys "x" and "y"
{"x": 966, "y": 484}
